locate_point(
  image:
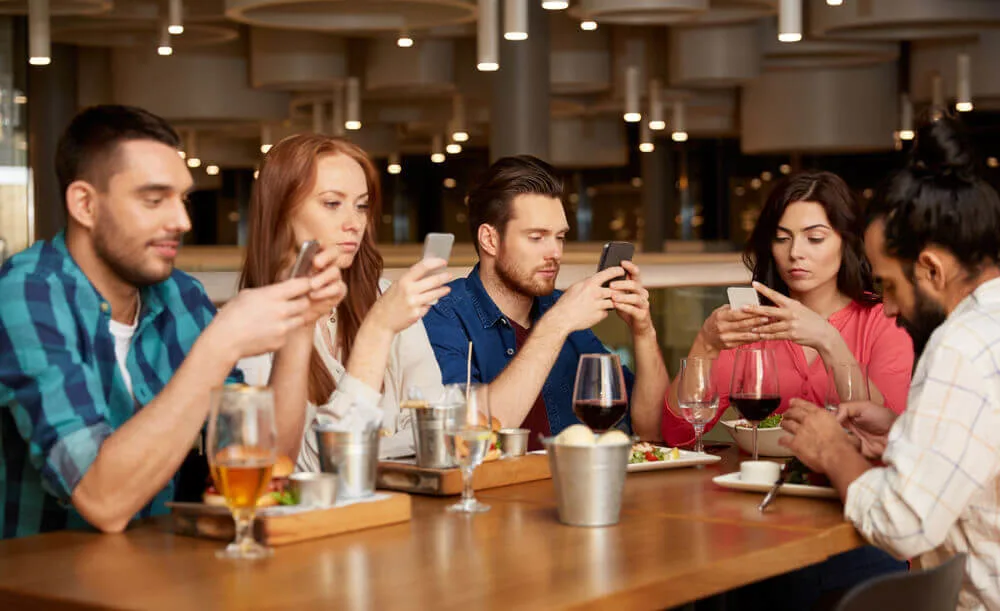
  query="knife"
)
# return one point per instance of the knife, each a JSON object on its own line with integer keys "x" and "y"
{"x": 773, "y": 492}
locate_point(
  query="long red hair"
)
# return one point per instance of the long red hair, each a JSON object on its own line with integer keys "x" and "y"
{"x": 286, "y": 177}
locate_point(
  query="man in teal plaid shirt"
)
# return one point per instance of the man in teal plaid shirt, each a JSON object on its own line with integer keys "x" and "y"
{"x": 108, "y": 354}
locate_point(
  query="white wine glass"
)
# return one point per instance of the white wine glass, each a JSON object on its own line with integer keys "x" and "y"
{"x": 697, "y": 396}
{"x": 470, "y": 436}
{"x": 845, "y": 383}
{"x": 242, "y": 449}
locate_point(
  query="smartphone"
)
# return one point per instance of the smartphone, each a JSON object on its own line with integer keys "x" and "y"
{"x": 740, "y": 296}
{"x": 613, "y": 254}
{"x": 438, "y": 245}
{"x": 303, "y": 262}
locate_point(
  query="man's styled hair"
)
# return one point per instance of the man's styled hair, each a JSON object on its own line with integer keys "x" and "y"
{"x": 940, "y": 199}
{"x": 87, "y": 150}
{"x": 490, "y": 200}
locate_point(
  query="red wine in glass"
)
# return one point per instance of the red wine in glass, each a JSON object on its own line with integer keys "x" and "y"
{"x": 599, "y": 415}
{"x": 755, "y": 409}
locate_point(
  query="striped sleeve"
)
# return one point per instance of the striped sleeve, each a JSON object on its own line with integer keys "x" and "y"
{"x": 206, "y": 311}
{"x": 57, "y": 401}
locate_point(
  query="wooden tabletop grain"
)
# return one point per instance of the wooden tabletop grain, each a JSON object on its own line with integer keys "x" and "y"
{"x": 680, "y": 538}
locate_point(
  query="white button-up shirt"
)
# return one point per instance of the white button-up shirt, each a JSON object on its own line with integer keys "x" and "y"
{"x": 939, "y": 493}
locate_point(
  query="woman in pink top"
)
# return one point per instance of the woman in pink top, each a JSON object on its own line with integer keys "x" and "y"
{"x": 807, "y": 248}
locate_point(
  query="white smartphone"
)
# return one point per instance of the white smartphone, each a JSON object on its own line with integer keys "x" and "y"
{"x": 740, "y": 296}
{"x": 438, "y": 245}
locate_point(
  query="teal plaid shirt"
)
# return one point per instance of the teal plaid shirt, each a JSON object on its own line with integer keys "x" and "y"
{"x": 61, "y": 392}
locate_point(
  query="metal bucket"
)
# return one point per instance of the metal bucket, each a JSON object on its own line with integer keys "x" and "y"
{"x": 588, "y": 481}
{"x": 352, "y": 456}
{"x": 430, "y": 424}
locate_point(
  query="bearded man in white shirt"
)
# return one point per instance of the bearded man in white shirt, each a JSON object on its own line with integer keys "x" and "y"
{"x": 934, "y": 241}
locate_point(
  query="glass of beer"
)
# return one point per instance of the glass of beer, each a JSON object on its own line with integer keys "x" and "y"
{"x": 242, "y": 449}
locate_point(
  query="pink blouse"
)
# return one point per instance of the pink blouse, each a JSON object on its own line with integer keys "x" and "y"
{"x": 873, "y": 339}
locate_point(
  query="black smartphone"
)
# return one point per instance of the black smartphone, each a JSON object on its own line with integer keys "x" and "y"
{"x": 304, "y": 260}
{"x": 613, "y": 254}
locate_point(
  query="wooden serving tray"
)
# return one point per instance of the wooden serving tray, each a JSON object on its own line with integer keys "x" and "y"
{"x": 406, "y": 476}
{"x": 282, "y": 525}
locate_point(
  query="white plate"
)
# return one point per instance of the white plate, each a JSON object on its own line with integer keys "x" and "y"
{"x": 732, "y": 481}
{"x": 686, "y": 459}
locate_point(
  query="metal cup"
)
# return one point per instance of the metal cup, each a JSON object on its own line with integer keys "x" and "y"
{"x": 352, "y": 456}
{"x": 514, "y": 442}
{"x": 588, "y": 481}
{"x": 314, "y": 489}
{"x": 430, "y": 424}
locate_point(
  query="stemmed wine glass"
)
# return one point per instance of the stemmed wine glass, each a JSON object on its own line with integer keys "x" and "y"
{"x": 697, "y": 396}
{"x": 845, "y": 382}
{"x": 599, "y": 396}
{"x": 242, "y": 449}
{"x": 754, "y": 387}
{"x": 470, "y": 436}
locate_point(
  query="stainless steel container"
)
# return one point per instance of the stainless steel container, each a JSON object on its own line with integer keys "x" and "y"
{"x": 314, "y": 489}
{"x": 352, "y": 456}
{"x": 513, "y": 442}
{"x": 588, "y": 481}
{"x": 429, "y": 426}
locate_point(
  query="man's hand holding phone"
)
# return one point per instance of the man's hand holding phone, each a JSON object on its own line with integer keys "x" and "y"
{"x": 631, "y": 300}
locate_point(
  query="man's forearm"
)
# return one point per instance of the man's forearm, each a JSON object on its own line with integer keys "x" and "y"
{"x": 651, "y": 383}
{"x": 514, "y": 391}
{"x": 138, "y": 459}
{"x": 290, "y": 383}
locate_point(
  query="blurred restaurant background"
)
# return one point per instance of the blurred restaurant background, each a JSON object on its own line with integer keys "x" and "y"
{"x": 670, "y": 120}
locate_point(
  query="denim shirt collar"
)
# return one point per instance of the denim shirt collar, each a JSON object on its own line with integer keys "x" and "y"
{"x": 486, "y": 309}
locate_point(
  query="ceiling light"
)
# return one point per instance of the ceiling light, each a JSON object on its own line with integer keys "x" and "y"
{"x": 679, "y": 133}
{"x": 487, "y": 41}
{"x": 453, "y": 149}
{"x": 449, "y": 183}
{"x": 193, "y": 162}
{"x": 633, "y": 113}
{"x": 834, "y": 2}
{"x": 175, "y": 23}
{"x": 353, "y": 110}
{"x": 266, "y": 138}
{"x": 588, "y": 25}
{"x": 963, "y": 87}
{"x": 394, "y": 167}
{"x": 39, "y": 33}
{"x": 459, "y": 132}
{"x": 515, "y": 19}
{"x": 404, "y": 41}
{"x": 790, "y": 21}
{"x": 437, "y": 149}
{"x": 165, "y": 47}
{"x": 656, "y": 121}
{"x": 212, "y": 170}
{"x": 555, "y": 5}
{"x": 905, "y": 117}
{"x": 645, "y": 138}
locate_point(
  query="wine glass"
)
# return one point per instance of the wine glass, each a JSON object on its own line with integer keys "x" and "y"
{"x": 697, "y": 396}
{"x": 242, "y": 449}
{"x": 754, "y": 387}
{"x": 599, "y": 397}
{"x": 470, "y": 436}
{"x": 845, "y": 382}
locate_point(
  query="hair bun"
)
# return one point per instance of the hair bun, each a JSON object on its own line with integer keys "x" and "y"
{"x": 942, "y": 149}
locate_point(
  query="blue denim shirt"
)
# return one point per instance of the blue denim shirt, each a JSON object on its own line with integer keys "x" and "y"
{"x": 468, "y": 313}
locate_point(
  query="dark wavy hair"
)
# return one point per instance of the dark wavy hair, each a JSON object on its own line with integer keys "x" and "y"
{"x": 846, "y": 217}
{"x": 940, "y": 198}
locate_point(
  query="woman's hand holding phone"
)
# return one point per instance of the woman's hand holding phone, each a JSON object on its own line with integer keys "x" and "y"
{"x": 791, "y": 320}
{"x": 409, "y": 298}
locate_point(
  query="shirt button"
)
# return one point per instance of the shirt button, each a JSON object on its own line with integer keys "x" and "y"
{"x": 510, "y": 352}
{"x": 105, "y": 307}
{"x": 503, "y": 321}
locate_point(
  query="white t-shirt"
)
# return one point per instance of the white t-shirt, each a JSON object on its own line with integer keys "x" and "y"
{"x": 123, "y": 341}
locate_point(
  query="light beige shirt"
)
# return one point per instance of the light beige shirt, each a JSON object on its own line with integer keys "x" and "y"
{"x": 939, "y": 493}
{"x": 411, "y": 363}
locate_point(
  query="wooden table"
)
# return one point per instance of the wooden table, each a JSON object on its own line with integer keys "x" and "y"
{"x": 680, "y": 538}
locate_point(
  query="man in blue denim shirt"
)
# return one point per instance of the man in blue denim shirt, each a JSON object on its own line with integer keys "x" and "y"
{"x": 527, "y": 337}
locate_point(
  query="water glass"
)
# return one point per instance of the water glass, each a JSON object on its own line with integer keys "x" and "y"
{"x": 697, "y": 397}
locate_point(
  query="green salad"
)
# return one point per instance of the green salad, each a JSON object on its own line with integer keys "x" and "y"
{"x": 771, "y": 422}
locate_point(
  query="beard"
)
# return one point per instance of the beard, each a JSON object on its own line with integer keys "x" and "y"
{"x": 123, "y": 257}
{"x": 928, "y": 315}
{"x": 524, "y": 282}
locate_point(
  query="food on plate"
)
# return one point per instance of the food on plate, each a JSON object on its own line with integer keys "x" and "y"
{"x": 647, "y": 452}
{"x": 799, "y": 473}
{"x": 771, "y": 422}
{"x": 576, "y": 435}
{"x": 276, "y": 493}
{"x": 613, "y": 437}
{"x": 493, "y": 452}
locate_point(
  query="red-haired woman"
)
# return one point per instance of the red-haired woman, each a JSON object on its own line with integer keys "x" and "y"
{"x": 373, "y": 345}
